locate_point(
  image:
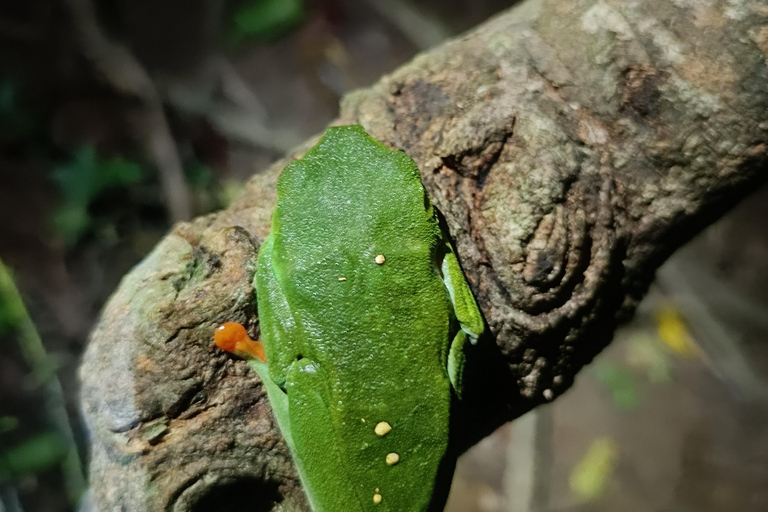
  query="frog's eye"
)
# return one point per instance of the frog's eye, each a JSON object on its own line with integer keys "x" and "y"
{"x": 228, "y": 335}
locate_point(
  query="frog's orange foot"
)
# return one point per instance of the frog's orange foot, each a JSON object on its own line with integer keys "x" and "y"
{"x": 232, "y": 337}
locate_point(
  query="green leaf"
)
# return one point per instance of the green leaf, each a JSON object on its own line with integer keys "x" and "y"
{"x": 32, "y": 456}
{"x": 620, "y": 383}
{"x": 265, "y": 19}
{"x": 81, "y": 181}
{"x": 118, "y": 172}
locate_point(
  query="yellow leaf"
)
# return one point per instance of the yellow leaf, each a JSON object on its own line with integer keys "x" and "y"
{"x": 590, "y": 476}
{"x": 673, "y": 332}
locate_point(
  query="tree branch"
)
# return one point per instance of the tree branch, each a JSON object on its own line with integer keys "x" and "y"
{"x": 571, "y": 148}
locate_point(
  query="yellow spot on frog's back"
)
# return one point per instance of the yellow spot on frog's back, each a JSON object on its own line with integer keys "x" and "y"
{"x": 382, "y": 428}
{"x": 342, "y": 279}
{"x": 392, "y": 458}
{"x": 380, "y": 259}
{"x": 362, "y": 419}
{"x": 376, "y": 499}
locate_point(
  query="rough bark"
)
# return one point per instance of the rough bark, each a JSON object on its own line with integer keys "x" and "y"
{"x": 571, "y": 147}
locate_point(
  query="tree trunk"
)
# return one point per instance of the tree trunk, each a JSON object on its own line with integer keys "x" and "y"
{"x": 571, "y": 147}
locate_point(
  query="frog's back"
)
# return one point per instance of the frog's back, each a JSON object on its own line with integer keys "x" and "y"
{"x": 355, "y": 249}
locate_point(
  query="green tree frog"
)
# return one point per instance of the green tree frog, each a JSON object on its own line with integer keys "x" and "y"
{"x": 364, "y": 314}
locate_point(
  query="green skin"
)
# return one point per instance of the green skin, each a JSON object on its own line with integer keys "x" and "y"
{"x": 386, "y": 344}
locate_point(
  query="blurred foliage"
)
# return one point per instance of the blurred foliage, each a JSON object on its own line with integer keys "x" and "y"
{"x": 16, "y": 123}
{"x": 620, "y": 383}
{"x": 590, "y": 477}
{"x": 199, "y": 175}
{"x": 208, "y": 194}
{"x": 81, "y": 181}
{"x": 265, "y": 19}
{"x": 645, "y": 352}
{"x": 33, "y": 455}
{"x": 8, "y": 424}
{"x": 231, "y": 191}
{"x": 16, "y": 319}
{"x": 673, "y": 331}
{"x": 648, "y": 352}
{"x": 12, "y": 311}
{"x": 40, "y": 451}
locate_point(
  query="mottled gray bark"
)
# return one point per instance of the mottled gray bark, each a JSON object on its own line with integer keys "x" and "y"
{"x": 571, "y": 147}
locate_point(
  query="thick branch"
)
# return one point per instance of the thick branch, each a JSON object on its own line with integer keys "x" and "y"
{"x": 571, "y": 147}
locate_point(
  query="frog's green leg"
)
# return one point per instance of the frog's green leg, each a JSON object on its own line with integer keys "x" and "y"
{"x": 278, "y": 399}
{"x": 317, "y": 451}
{"x": 467, "y": 313}
{"x": 464, "y": 305}
{"x": 276, "y": 319}
{"x": 297, "y": 394}
{"x": 456, "y": 360}
{"x": 302, "y": 414}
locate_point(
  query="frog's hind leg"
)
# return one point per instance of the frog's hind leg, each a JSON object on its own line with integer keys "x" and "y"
{"x": 317, "y": 452}
{"x": 456, "y": 360}
{"x": 467, "y": 313}
{"x": 280, "y": 330}
{"x": 464, "y": 305}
